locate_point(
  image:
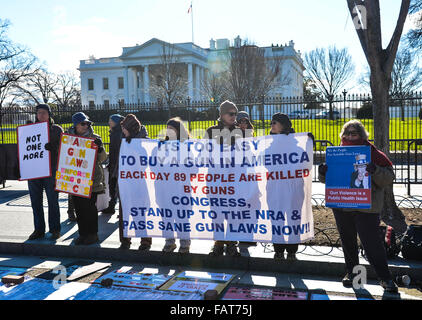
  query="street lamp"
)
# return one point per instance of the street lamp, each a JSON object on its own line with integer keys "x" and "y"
{"x": 344, "y": 106}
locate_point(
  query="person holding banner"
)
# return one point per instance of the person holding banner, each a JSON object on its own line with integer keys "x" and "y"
{"x": 85, "y": 208}
{"x": 364, "y": 222}
{"x": 225, "y": 132}
{"x": 131, "y": 129}
{"x": 281, "y": 124}
{"x": 176, "y": 130}
{"x": 113, "y": 156}
{"x": 36, "y": 186}
{"x": 245, "y": 124}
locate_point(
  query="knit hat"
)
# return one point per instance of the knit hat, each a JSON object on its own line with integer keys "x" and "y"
{"x": 226, "y": 106}
{"x": 80, "y": 117}
{"x": 116, "y": 118}
{"x": 284, "y": 120}
{"x": 131, "y": 124}
{"x": 43, "y": 106}
{"x": 242, "y": 115}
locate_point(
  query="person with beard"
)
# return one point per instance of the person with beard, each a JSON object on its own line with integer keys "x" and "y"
{"x": 86, "y": 208}
{"x": 36, "y": 186}
{"x": 225, "y": 132}
{"x": 364, "y": 222}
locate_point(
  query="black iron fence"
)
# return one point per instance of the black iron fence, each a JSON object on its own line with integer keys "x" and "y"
{"x": 324, "y": 118}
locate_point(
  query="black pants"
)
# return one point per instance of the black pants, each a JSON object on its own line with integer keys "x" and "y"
{"x": 290, "y": 248}
{"x": 86, "y": 214}
{"x": 366, "y": 225}
{"x": 112, "y": 187}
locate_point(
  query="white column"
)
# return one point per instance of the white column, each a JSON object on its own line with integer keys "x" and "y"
{"x": 146, "y": 83}
{"x": 126, "y": 84}
{"x": 190, "y": 81}
{"x": 137, "y": 75}
{"x": 198, "y": 82}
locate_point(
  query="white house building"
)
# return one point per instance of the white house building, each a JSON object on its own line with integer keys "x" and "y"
{"x": 127, "y": 78}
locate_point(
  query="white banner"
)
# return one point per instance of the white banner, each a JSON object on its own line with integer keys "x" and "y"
{"x": 257, "y": 190}
{"x": 34, "y": 159}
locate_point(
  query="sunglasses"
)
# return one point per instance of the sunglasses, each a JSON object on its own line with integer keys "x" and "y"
{"x": 85, "y": 124}
{"x": 243, "y": 121}
{"x": 351, "y": 133}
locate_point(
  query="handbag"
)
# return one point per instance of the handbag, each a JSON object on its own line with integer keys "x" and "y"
{"x": 411, "y": 245}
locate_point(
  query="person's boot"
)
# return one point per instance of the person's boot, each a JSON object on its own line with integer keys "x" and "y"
{"x": 36, "y": 235}
{"x": 145, "y": 244}
{"x": 71, "y": 215}
{"x": 110, "y": 209}
{"x": 217, "y": 250}
{"x": 232, "y": 250}
{"x": 389, "y": 286}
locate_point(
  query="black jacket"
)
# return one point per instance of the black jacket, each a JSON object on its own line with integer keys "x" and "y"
{"x": 115, "y": 141}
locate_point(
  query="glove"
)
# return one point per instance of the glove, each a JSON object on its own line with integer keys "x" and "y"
{"x": 98, "y": 142}
{"x": 48, "y": 146}
{"x": 322, "y": 169}
{"x": 310, "y": 135}
{"x": 371, "y": 168}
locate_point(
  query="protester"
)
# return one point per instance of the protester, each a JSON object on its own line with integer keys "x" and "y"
{"x": 281, "y": 124}
{"x": 131, "y": 129}
{"x": 225, "y": 132}
{"x": 113, "y": 156}
{"x": 36, "y": 186}
{"x": 364, "y": 222}
{"x": 85, "y": 208}
{"x": 176, "y": 130}
{"x": 245, "y": 124}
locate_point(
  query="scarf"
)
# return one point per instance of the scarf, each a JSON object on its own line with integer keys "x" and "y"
{"x": 378, "y": 157}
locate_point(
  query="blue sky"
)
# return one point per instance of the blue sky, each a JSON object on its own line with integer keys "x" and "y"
{"x": 62, "y": 32}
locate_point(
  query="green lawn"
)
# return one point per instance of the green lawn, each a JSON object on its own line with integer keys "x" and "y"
{"x": 322, "y": 129}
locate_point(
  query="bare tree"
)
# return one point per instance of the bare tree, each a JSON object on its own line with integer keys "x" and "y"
{"x": 66, "y": 92}
{"x": 214, "y": 86}
{"x": 38, "y": 87}
{"x": 366, "y": 15}
{"x": 252, "y": 74}
{"x": 169, "y": 82}
{"x": 16, "y": 62}
{"x": 414, "y": 36}
{"x": 330, "y": 69}
{"x": 367, "y": 18}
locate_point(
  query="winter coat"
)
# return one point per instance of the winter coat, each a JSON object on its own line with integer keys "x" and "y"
{"x": 55, "y": 134}
{"x": 114, "y": 148}
{"x": 98, "y": 185}
{"x": 215, "y": 132}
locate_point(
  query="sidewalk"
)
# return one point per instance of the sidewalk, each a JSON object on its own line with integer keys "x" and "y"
{"x": 16, "y": 224}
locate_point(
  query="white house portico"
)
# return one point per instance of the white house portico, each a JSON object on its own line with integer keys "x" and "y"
{"x": 131, "y": 77}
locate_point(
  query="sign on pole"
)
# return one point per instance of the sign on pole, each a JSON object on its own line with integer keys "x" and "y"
{"x": 257, "y": 190}
{"x": 348, "y": 184}
{"x": 75, "y": 169}
{"x": 34, "y": 159}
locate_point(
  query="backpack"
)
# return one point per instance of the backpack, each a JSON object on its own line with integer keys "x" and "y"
{"x": 391, "y": 243}
{"x": 412, "y": 243}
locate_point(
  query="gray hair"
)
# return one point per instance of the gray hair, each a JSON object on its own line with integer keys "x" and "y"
{"x": 356, "y": 124}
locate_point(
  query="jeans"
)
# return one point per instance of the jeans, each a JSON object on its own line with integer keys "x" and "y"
{"x": 36, "y": 188}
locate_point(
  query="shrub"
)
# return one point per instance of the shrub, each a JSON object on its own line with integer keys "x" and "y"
{"x": 365, "y": 112}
